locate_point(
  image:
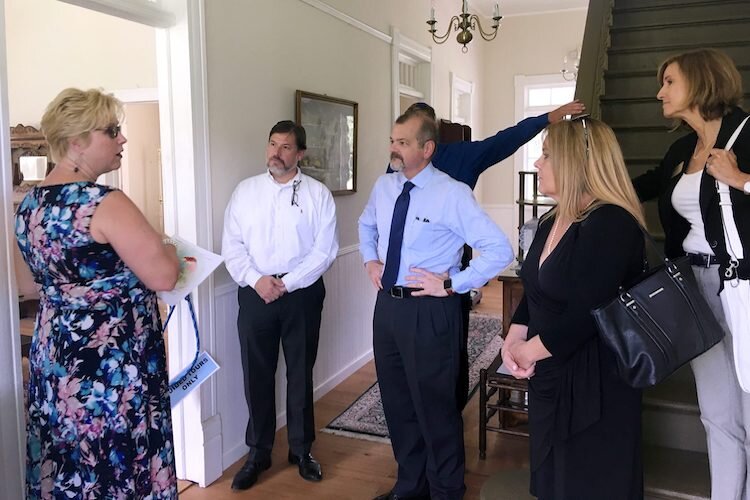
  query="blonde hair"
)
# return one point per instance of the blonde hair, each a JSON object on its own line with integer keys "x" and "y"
{"x": 74, "y": 113}
{"x": 600, "y": 173}
{"x": 714, "y": 84}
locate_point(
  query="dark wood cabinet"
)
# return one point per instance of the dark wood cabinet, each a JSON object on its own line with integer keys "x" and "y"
{"x": 512, "y": 294}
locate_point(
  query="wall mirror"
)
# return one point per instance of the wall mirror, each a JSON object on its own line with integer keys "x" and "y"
{"x": 30, "y": 157}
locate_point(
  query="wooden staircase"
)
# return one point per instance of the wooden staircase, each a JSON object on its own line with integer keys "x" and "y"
{"x": 624, "y": 44}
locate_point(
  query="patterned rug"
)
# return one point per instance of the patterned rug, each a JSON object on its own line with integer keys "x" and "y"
{"x": 364, "y": 419}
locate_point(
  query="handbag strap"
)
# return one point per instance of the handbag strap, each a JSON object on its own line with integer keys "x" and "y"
{"x": 731, "y": 235}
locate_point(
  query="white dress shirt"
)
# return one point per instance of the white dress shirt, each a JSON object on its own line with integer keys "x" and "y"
{"x": 272, "y": 228}
{"x": 442, "y": 215}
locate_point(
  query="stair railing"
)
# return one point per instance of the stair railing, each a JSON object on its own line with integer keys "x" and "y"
{"x": 590, "y": 81}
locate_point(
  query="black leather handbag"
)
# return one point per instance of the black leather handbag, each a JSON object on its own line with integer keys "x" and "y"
{"x": 658, "y": 324}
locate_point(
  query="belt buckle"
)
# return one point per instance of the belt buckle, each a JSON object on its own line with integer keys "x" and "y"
{"x": 707, "y": 260}
{"x": 397, "y": 292}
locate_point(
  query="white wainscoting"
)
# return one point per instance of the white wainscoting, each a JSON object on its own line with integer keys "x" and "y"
{"x": 505, "y": 216}
{"x": 345, "y": 346}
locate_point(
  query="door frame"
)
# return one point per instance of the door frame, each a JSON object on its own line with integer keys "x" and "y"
{"x": 181, "y": 67}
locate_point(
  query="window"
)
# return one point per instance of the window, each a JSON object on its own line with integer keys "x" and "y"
{"x": 536, "y": 95}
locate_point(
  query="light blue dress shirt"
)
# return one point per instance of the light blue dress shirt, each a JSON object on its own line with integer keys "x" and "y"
{"x": 442, "y": 216}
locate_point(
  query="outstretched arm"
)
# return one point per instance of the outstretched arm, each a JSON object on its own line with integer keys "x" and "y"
{"x": 465, "y": 161}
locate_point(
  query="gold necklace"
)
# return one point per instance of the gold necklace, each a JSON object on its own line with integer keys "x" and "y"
{"x": 704, "y": 150}
{"x": 700, "y": 153}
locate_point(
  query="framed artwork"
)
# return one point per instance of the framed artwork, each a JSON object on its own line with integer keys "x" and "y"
{"x": 331, "y": 127}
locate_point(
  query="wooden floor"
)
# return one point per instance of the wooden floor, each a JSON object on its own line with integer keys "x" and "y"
{"x": 358, "y": 469}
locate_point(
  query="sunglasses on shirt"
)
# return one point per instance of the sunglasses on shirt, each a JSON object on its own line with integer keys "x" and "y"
{"x": 112, "y": 130}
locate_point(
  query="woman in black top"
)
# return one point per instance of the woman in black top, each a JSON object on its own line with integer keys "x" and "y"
{"x": 585, "y": 430}
{"x": 702, "y": 89}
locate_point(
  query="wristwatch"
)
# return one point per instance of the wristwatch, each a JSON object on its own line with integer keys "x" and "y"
{"x": 746, "y": 187}
{"x": 448, "y": 285}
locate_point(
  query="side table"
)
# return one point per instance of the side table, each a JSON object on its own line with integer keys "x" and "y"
{"x": 512, "y": 294}
{"x": 510, "y": 404}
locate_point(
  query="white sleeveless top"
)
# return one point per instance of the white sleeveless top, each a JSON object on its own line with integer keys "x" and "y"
{"x": 685, "y": 201}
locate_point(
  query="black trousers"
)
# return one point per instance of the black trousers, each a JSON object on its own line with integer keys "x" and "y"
{"x": 416, "y": 343}
{"x": 294, "y": 321}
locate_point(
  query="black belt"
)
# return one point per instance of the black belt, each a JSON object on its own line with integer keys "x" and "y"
{"x": 279, "y": 275}
{"x": 702, "y": 259}
{"x": 402, "y": 292}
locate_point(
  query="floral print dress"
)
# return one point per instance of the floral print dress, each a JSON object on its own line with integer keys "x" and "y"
{"x": 99, "y": 421}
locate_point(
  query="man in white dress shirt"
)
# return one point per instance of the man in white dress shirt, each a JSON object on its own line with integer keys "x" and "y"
{"x": 279, "y": 238}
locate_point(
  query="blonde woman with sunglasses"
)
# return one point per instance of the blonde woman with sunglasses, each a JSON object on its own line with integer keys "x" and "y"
{"x": 99, "y": 422}
{"x": 584, "y": 422}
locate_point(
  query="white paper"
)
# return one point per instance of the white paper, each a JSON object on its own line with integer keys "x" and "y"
{"x": 503, "y": 370}
{"x": 204, "y": 367}
{"x": 196, "y": 264}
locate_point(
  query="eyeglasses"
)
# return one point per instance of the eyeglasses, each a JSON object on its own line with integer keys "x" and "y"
{"x": 295, "y": 194}
{"x": 582, "y": 118}
{"x": 112, "y": 130}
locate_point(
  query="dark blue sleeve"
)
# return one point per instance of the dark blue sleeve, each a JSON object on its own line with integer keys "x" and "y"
{"x": 465, "y": 161}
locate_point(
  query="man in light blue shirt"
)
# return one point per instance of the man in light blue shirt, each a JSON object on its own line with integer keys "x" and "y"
{"x": 412, "y": 233}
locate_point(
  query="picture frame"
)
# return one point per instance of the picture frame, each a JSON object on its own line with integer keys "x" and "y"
{"x": 331, "y": 127}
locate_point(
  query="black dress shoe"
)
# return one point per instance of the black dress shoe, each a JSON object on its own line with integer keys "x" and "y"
{"x": 309, "y": 468}
{"x": 392, "y": 496}
{"x": 248, "y": 474}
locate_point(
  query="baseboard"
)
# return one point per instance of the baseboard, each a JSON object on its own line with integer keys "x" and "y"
{"x": 241, "y": 449}
{"x": 342, "y": 375}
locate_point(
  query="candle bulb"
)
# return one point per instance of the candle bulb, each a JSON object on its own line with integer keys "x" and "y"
{"x": 432, "y": 14}
{"x": 466, "y": 7}
{"x": 497, "y": 11}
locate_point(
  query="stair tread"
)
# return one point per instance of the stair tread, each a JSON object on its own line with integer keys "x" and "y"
{"x": 679, "y": 47}
{"x": 672, "y": 5}
{"x": 649, "y": 72}
{"x": 675, "y": 393}
{"x": 682, "y": 24}
{"x": 676, "y": 474}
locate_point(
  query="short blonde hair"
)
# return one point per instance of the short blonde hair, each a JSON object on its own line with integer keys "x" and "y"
{"x": 74, "y": 113}
{"x": 600, "y": 172}
{"x": 714, "y": 84}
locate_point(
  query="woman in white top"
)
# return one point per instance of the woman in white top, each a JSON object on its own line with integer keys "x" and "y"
{"x": 702, "y": 89}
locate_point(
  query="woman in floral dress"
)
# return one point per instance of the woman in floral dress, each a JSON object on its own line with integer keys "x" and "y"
{"x": 99, "y": 421}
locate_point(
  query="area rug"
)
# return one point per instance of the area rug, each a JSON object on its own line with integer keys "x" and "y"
{"x": 364, "y": 419}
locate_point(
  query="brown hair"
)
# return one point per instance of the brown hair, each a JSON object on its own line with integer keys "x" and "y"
{"x": 289, "y": 127}
{"x": 599, "y": 172}
{"x": 428, "y": 130}
{"x": 714, "y": 84}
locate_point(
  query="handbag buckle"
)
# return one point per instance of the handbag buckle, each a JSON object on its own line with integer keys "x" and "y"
{"x": 627, "y": 299}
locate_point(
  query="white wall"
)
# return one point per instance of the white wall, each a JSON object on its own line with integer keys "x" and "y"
{"x": 141, "y": 168}
{"x": 52, "y": 45}
{"x": 254, "y": 69}
{"x": 527, "y": 45}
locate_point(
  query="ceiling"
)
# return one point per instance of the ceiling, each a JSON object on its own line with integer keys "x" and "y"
{"x": 521, "y": 7}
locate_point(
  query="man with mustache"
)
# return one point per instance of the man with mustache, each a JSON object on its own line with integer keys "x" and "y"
{"x": 279, "y": 238}
{"x": 465, "y": 161}
{"x": 411, "y": 233}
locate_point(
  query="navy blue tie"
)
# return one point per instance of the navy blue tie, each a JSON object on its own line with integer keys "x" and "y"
{"x": 393, "y": 258}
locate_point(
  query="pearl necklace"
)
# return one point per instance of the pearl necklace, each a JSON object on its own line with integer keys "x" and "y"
{"x": 551, "y": 240}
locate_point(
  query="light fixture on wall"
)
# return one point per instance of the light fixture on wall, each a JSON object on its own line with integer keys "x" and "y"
{"x": 570, "y": 65}
{"x": 465, "y": 23}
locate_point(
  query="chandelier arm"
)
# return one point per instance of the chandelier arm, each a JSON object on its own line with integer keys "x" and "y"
{"x": 488, "y": 36}
{"x": 442, "y": 38}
